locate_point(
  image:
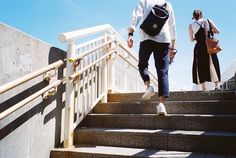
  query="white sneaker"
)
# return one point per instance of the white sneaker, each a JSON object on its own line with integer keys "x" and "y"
{"x": 217, "y": 88}
{"x": 161, "y": 110}
{"x": 149, "y": 93}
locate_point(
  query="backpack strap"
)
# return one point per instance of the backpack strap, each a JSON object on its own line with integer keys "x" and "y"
{"x": 199, "y": 24}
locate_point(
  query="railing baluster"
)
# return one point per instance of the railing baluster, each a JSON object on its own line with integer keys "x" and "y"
{"x": 70, "y": 95}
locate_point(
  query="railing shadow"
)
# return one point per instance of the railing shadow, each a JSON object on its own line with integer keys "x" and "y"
{"x": 17, "y": 98}
{"x": 11, "y": 127}
{"x": 56, "y": 54}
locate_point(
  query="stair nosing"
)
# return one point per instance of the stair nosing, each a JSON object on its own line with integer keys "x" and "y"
{"x": 168, "y": 115}
{"x": 163, "y": 131}
{"x": 138, "y": 152}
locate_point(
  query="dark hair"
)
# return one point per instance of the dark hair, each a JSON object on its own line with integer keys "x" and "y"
{"x": 197, "y": 14}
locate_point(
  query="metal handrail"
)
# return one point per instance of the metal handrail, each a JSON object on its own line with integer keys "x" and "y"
{"x": 90, "y": 65}
{"x": 89, "y": 42}
{"x": 103, "y": 57}
{"x": 80, "y": 56}
{"x": 109, "y": 33}
{"x": 70, "y": 36}
{"x": 122, "y": 57}
{"x": 125, "y": 48}
{"x": 30, "y": 76}
{"x": 29, "y": 99}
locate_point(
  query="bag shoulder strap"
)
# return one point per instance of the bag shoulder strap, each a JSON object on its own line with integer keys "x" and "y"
{"x": 210, "y": 31}
{"x": 199, "y": 24}
{"x": 164, "y": 5}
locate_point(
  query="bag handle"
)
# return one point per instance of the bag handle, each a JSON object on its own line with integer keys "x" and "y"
{"x": 210, "y": 33}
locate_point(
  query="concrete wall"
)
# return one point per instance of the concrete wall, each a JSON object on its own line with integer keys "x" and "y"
{"x": 229, "y": 77}
{"x": 35, "y": 129}
{"x": 230, "y": 71}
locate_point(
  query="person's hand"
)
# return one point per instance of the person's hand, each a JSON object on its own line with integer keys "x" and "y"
{"x": 172, "y": 53}
{"x": 130, "y": 41}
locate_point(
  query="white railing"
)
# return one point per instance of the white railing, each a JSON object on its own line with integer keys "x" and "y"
{"x": 104, "y": 64}
{"x": 93, "y": 69}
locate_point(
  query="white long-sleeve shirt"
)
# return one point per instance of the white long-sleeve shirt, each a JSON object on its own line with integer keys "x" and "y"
{"x": 194, "y": 27}
{"x": 141, "y": 11}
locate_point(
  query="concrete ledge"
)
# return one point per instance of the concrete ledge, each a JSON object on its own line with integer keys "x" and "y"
{"x": 118, "y": 152}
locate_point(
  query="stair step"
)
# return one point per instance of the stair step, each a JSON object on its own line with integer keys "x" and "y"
{"x": 170, "y": 122}
{"x": 121, "y": 152}
{"x": 174, "y": 107}
{"x": 176, "y": 140}
{"x": 175, "y": 96}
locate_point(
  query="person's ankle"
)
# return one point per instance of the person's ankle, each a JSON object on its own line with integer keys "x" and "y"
{"x": 161, "y": 99}
{"x": 147, "y": 83}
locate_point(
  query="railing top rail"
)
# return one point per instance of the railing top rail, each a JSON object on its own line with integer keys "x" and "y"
{"x": 90, "y": 65}
{"x": 122, "y": 57}
{"x": 70, "y": 36}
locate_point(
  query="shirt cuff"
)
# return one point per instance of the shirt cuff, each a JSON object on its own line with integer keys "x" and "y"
{"x": 132, "y": 27}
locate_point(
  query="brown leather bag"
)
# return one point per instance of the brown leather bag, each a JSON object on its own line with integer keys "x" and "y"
{"x": 212, "y": 43}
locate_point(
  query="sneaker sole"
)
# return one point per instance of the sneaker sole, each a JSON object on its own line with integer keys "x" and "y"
{"x": 162, "y": 114}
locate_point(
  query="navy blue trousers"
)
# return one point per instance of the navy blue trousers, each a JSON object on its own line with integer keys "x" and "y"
{"x": 161, "y": 58}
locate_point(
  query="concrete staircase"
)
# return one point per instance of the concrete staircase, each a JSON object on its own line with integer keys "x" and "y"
{"x": 199, "y": 124}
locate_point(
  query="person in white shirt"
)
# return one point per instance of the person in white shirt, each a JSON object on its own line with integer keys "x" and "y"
{"x": 205, "y": 67}
{"x": 162, "y": 46}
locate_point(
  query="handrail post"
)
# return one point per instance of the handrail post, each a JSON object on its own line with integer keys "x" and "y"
{"x": 105, "y": 72}
{"x": 111, "y": 76}
{"x": 111, "y": 72}
{"x": 125, "y": 73}
{"x": 70, "y": 95}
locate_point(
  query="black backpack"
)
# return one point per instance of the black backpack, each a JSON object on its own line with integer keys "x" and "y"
{"x": 155, "y": 20}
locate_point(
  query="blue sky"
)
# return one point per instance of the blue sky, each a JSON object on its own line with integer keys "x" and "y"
{"x": 46, "y": 19}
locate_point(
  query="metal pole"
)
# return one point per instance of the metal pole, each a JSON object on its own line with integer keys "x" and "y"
{"x": 111, "y": 76}
{"x": 70, "y": 95}
{"x": 105, "y": 72}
